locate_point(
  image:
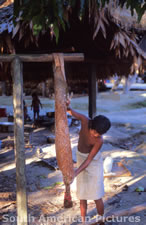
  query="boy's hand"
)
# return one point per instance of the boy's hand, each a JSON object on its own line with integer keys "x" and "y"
{"x": 72, "y": 180}
{"x": 75, "y": 173}
{"x": 67, "y": 102}
{"x": 73, "y": 176}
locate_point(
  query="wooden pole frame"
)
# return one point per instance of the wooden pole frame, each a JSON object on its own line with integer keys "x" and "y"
{"x": 16, "y": 61}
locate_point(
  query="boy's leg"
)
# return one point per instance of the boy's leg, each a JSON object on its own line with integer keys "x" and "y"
{"x": 100, "y": 207}
{"x": 34, "y": 115}
{"x": 37, "y": 115}
{"x": 83, "y": 208}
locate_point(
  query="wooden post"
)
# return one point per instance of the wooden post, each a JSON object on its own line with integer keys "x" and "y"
{"x": 43, "y": 89}
{"x": 16, "y": 71}
{"x": 92, "y": 91}
{"x": 3, "y": 88}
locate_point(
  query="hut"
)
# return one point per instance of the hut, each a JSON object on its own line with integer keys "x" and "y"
{"x": 108, "y": 41}
{"x": 142, "y": 45}
{"x": 108, "y": 47}
{"x": 112, "y": 45}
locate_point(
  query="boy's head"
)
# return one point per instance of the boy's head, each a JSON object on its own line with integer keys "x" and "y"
{"x": 34, "y": 95}
{"x": 100, "y": 124}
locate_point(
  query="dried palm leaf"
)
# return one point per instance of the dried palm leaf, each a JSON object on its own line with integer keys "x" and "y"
{"x": 10, "y": 45}
{"x": 122, "y": 40}
{"x": 139, "y": 61}
{"x": 21, "y": 33}
{"x": 99, "y": 22}
{"x": 26, "y": 43}
{"x": 132, "y": 50}
{"x": 31, "y": 25}
{"x": 15, "y": 29}
{"x": 126, "y": 52}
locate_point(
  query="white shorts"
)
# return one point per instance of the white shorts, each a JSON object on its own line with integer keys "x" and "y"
{"x": 90, "y": 182}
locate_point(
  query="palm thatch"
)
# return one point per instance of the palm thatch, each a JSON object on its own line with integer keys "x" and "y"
{"x": 6, "y": 16}
{"x": 105, "y": 39}
{"x": 142, "y": 43}
{"x": 123, "y": 17}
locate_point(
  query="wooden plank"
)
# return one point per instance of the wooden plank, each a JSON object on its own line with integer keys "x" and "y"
{"x": 92, "y": 91}
{"x": 16, "y": 71}
{"x": 70, "y": 57}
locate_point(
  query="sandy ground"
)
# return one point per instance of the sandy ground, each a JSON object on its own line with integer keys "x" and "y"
{"x": 125, "y": 142}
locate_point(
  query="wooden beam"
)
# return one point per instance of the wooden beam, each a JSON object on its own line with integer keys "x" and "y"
{"x": 16, "y": 71}
{"x": 108, "y": 61}
{"x": 70, "y": 57}
{"x": 92, "y": 91}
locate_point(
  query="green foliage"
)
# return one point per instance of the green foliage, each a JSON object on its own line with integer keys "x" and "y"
{"x": 53, "y": 14}
{"x": 43, "y": 176}
{"x": 42, "y": 13}
{"x": 53, "y": 185}
{"x": 138, "y": 105}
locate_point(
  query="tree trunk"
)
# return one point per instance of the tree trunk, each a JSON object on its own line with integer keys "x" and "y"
{"x": 62, "y": 139}
{"x": 116, "y": 84}
{"x": 43, "y": 89}
{"x": 128, "y": 82}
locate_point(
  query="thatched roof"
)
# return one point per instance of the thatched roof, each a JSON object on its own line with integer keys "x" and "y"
{"x": 112, "y": 45}
{"x": 6, "y": 16}
{"x": 142, "y": 43}
{"x": 123, "y": 17}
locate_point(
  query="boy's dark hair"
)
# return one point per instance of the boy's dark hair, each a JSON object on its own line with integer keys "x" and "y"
{"x": 34, "y": 94}
{"x": 100, "y": 123}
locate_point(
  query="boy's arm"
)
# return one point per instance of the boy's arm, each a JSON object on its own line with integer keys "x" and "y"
{"x": 40, "y": 103}
{"x": 77, "y": 115}
{"x": 90, "y": 157}
{"x": 72, "y": 112}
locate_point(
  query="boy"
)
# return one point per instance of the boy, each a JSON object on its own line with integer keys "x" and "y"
{"x": 36, "y": 106}
{"x": 90, "y": 184}
{"x": 25, "y": 110}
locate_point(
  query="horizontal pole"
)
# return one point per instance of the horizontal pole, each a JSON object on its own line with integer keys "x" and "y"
{"x": 68, "y": 57}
